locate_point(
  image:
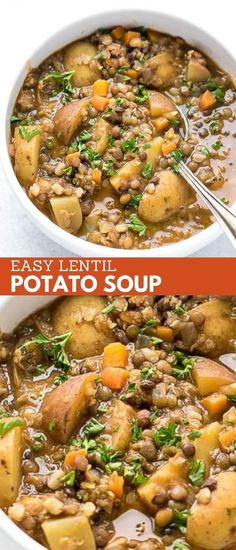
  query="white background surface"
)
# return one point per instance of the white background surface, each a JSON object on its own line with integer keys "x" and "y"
{"x": 26, "y": 23}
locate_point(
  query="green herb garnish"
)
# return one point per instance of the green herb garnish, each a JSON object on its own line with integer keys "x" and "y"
{"x": 194, "y": 434}
{"x": 204, "y": 150}
{"x": 178, "y": 156}
{"x": 9, "y": 425}
{"x": 180, "y": 520}
{"x": 217, "y": 145}
{"x": 52, "y": 425}
{"x": 142, "y": 94}
{"x": 131, "y": 388}
{"x": 167, "y": 436}
{"x": 92, "y": 427}
{"x": 149, "y": 324}
{"x": 52, "y": 348}
{"x": 69, "y": 478}
{"x": 108, "y": 309}
{"x": 130, "y": 145}
{"x": 134, "y": 201}
{"x": 197, "y": 472}
{"x": 62, "y": 79}
{"x": 147, "y": 171}
{"x": 217, "y": 91}
{"x": 135, "y": 224}
{"x": 182, "y": 364}
{"x": 214, "y": 126}
{"x": 28, "y": 134}
{"x": 136, "y": 431}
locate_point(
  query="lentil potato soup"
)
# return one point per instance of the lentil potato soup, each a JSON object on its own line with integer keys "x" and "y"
{"x": 118, "y": 424}
{"x": 97, "y": 137}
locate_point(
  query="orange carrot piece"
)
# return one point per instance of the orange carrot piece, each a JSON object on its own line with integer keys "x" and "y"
{"x": 118, "y": 33}
{"x": 207, "y": 100}
{"x": 73, "y": 159}
{"x": 160, "y": 123}
{"x": 130, "y": 35}
{"x": 114, "y": 378}
{"x": 165, "y": 333}
{"x": 115, "y": 355}
{"x": 99, "y": 103}
{"x": 227, "y": 438}
{"x": 168, "y": 147}
{"x": 132, "y": 73}
{"x": 97, "y": 175}
{"x": 100, "y": 87}
{"x": 116, "y": 484}
{"x": 71, "y": 456}
{"x": 215, "y": 404}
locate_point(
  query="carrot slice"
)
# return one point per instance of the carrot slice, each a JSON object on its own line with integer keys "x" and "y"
{"x": 71, "y": 456}
{"x": 165, "y": 333}
{"x": 215, "y": 404}
{"x": 118, "y": 33}
{"x": 99, "y": 103}
{"x": 227, "y": 438}
{"x": 114, "y": 378}
{"x": 100, "y": 87}
{"x": 73, "y": 159}
{"x": 116, "y": 484}
{"x": 207, "y": 100}
{"x": 115, "y": 355}
{"x": 97, "y": 175}
{"x": 168, "y": 147}
{"x": 132, "y": 73}
{"x": 160, "y": 123}
{"x": 130, "y": 35}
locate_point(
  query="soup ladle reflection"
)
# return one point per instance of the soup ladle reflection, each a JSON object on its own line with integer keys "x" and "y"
{"x": 225, "y": 217}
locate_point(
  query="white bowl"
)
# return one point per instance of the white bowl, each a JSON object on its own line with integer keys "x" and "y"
{"x": 81, "y": 28}
{"x": 12, "y": 311}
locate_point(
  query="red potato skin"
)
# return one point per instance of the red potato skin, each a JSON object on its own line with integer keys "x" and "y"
{"x": 68, "y": 119}
{"x": 209, "y": 376}
{"x": 66, "y": 406}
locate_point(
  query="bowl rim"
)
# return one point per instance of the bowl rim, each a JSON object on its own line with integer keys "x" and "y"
{"x": 78, "y": 245}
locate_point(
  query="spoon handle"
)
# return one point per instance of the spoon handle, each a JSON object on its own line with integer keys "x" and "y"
{"x": 222, "y": 213}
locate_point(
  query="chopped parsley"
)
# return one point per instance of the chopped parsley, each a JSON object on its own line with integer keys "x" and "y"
{"x": 217, "y": 145}
{"x": 180, "y": 520}
{"x": 28, "y": 134}
{"x": 167, "y": 436}
{"x": 120, "y": 100}
{"x": 133, "y": 472}
{"x": 180, "y": 545}
{"x": 52, "y": 348}
{"x": 197, "y": 472}
{"x": 194, "y": 434}
{"x": 214, "y": 127}
{"x": 180, "y": 310}
{"x": 92, "y": 427}
{"x": 136, "y": 431}
{"x": 50, "y": 142}
{"x": 60, "y": 379}
{"x": 149, "y": 324}
{"x": 178, "y": 156}
{"x": 217, "y": 91}
{"x": 173, "y": 121}
{"x": 108, "y": 309}
{"x": 224, "y": 200}
{"x": 135, "y": 224}
{"x": 111, "y": 140}
{"x": 204, "y": 151}
{"x": 182, "y": 364}
{"x": 52, "y": 425}
{"x": 134, "y": 201}
{"x": 99, "y": 55}
{"x": 131, "y": 388}
{"x": 142, "y": 94}
{"x": 69, "y": 478}
{"x": 9, "y": 425}
{"x": 147, "y": 372}
{"x": 147, "y": 171}
{"x": 68, "y": 171}
{"x": 39, "y": 442}
{"x": 62, "y": 79}
{"x": 130, "y": 145}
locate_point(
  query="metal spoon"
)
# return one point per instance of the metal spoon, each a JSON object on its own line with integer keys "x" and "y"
{"x": 225, "y": 217}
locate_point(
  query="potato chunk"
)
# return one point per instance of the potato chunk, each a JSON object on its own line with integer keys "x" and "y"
{"x": 196, "y": 72}
{"x": 218, "y": 326}
{"x": 160, "y": 104}
{"x": 101, "y": 129}
{"x": 154, "y": 151}
{"x": 64, "y": 408}
{"x": 77, "y": 314}
{"x": 174, "y": 472}
{"x": 209, "y": 376}
{"x": 125, "y": 174}
{"x": 214, "y": 523}
{"x": 79, "y": 57}
{"x": 68, "y": 119}
{"x": 164, "y": 71}
{"x": 121, "y": 419}
{"x": 67, "y": 212}
{"x": 206, "y": 443}
{"x": 10, "y": 464}
{"x": 170, "y": 195}
{"x": 69, "y": 530}
{"x": 27, "y": 155}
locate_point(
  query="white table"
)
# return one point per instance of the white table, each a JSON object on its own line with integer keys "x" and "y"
{"x": 23, "y": 25}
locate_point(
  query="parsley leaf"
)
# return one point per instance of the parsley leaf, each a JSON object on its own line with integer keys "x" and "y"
{"x": 52, "y": 425}
{"x": 224, "y": 200}
{"x": 167, "y": 436}
{"x": 130, "y": 145}
{"x": 134, "y": 201}
{"x": 142, "y": 94}
{"x": 93, "y": 427}
{"x": 217, "y": 91}
{"x": 133, "y": 472}
{"x": 135, "y": 224}
{"x": 204, "y": 150}
{"x": 128, "y": 391}
{"x": 197, "y": 472}
{"x": 28, "y": 134}
{"x": 111, "y": 140}
{"x": 194, "y": 434}
{"x": 108, "y": 309}
{"x": 182, "y": 364}
{"x": 69, "y": 478}
{"x": 52, "y": 348}
{"x": 217, "y": 145}
{"x": 150, "y": 323}
{"x": 136, "y": 431}
{"x": 62, "y": 79}
{"x": 147, "y": 171}
{"x": 180, "y": 520}
{"x": 214, "y": 126}
{"x": 180, "y": 545}
{"x": 178, "y": 156}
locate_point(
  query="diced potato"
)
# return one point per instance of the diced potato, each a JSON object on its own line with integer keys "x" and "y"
{"x": 160, "y": 104}
{"x": 67, "y": 212}
{"x": 10, "y": 465}
{"x": 125, "y": 174}
{"x": 227, "y": 437}
{"x": 205, "y": 444}
{"x": 215, "y": 404}
{"x": 228, "y": 390}
{"x": 79, "y": 57}
{"x": 101, "y": 131}
{"x": 209, "y": 376}
{"x": 218, "y": 325}
{"x": 230, "y": 416}
{"x": 68, "y": 119}
{"x": 174, "y": 472}
{"x": 213, "y": 524}
{"x": 154, "y": 152}
{"x": 64, "y": 408}
{"x": 197, "y": 72}
{"x": 164, "y": 71}
{"x": 121, "y": 419}
{"x": 73, "y": 530}
{"x": 170, "y": 195}
{"x": 153, "y": 36}
{"x": 76, "y": 314}
{"x": 27, "y": 155}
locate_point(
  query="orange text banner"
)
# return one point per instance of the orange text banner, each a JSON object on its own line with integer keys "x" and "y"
{"x": 68, "y": 276}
